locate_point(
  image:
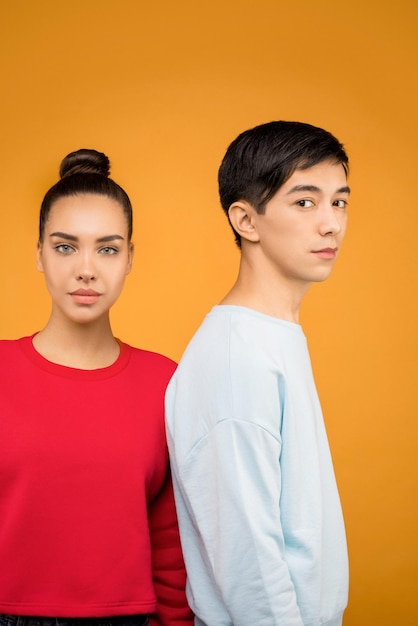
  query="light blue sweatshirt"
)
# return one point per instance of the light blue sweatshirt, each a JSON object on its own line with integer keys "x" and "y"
{"x": 259, "y": 513}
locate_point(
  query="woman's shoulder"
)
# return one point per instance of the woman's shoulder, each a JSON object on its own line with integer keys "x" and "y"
{"x": 14, "y": 345}
{"x": 12, "y": 353}
{"x": 139, "y": 357}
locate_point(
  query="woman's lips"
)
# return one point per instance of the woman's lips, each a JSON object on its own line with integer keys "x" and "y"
{"x": 85, "y": 296}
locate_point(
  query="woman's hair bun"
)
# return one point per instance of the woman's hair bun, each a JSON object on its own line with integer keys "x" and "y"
{"x": 85, "y": 161}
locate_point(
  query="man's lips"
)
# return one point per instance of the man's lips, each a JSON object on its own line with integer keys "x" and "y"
{"x": 326, "y": 253}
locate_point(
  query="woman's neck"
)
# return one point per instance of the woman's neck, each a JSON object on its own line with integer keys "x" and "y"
{"x": 82, "y": 346}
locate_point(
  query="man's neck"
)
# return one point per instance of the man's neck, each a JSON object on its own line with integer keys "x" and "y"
{"x": 267, "y": 291}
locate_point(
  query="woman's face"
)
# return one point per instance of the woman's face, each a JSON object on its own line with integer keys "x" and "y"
{"x": 85, "y": 256}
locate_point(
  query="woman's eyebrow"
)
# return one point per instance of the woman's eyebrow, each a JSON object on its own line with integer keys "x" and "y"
{"x": 64, "y": 236}
{"x": 104, "y": 239}
{"x": 109, "y": 238}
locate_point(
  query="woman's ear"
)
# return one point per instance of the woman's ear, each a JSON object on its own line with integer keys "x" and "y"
{"x": 130, "y": 258}
{"x": 242, "y": 217}
{"x": 39, "y": 265}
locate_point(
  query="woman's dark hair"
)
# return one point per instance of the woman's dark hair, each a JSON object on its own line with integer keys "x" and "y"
{"x": 260, "y": 160}
{"x": 85, "y": 171}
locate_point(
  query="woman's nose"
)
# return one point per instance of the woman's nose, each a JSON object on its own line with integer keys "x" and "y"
{"x": 86, "y": 270}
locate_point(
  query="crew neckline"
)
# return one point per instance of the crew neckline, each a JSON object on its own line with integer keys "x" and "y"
{"x": 238, "y": 308}
{"x": 64, "y": 371}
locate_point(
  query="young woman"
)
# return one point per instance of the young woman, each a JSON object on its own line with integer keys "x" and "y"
{"x": 88, "y": 532}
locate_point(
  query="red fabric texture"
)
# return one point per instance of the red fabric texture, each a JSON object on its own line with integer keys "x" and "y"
{"x": 87, "y": 517}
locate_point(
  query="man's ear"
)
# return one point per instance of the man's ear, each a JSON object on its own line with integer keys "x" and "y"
{"x": 242, "y": 217}
{"x": 39, "y": 265}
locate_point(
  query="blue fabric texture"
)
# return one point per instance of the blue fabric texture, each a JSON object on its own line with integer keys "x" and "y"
{"x": 259, "y": 512}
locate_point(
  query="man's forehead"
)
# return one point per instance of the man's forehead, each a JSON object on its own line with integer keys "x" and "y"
{"x": 326, "y": 174}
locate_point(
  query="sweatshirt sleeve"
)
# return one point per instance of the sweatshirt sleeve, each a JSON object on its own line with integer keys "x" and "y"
{"x": 169, "y": 573}
{"x": 231, "y": 484}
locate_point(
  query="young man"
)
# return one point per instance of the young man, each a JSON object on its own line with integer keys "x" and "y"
{"x": 260, "y": 518}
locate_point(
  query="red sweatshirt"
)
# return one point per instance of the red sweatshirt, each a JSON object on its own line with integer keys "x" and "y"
{"x": 87, "y": 517}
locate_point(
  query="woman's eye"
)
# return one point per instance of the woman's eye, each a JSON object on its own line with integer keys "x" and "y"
{"x": 306, "y": 204}
{"x": 108, "y": 250}
{"x": 64, "y": 248}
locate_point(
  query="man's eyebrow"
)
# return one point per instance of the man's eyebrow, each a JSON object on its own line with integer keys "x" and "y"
{"x": 68, "y": 237}
{"x": 314, "y": 188}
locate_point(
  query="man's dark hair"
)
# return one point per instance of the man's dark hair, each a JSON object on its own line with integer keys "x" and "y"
{"x": 260, "y": 160}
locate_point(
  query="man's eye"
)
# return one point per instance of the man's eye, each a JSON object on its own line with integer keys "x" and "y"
{"x": 305, "y": 203}
{"x": 108, "y": 250}
{"x": 341, "y": 204}
{"x": 64, "y": 248}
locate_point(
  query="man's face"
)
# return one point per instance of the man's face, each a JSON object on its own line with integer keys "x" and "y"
{"x": 304, "y": 224}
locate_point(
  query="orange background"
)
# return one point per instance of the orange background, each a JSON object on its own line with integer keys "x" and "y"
{"x": 162, "y": 88}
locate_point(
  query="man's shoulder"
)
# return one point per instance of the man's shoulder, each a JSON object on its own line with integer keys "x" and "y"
{"x": 212, "y": 339}
{"x": 235, "y": 347}
{"x": 244, "y": 329}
